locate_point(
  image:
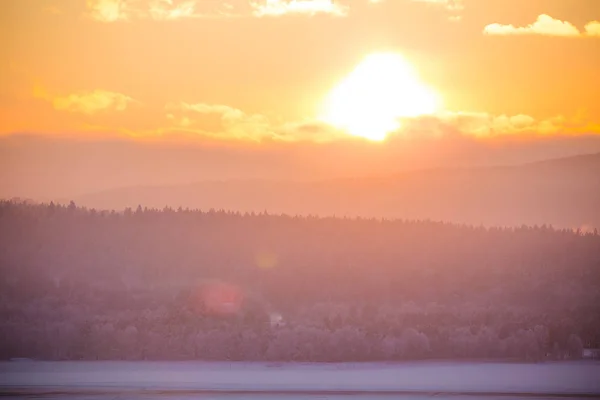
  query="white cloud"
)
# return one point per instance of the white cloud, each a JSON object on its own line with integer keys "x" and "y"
{"x": 544, "y": 25}
{"x": 276, "y": 8}
{"x": 92, "y": 102}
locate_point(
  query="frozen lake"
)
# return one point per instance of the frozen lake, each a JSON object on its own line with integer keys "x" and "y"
{"x": 233, "y": 381}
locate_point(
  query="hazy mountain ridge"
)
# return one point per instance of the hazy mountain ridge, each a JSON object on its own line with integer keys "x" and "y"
{"x": 563, "y": 192}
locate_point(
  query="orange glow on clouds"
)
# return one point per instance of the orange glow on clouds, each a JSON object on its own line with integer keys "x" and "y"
{"x": 545, "y": 25}
{"x": 263, "y": 70}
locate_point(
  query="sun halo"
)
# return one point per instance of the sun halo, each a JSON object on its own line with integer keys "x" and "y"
{"x": 376, "y": 95}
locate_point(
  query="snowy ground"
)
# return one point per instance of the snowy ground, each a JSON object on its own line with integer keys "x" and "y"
{"x": 211, "y": 380}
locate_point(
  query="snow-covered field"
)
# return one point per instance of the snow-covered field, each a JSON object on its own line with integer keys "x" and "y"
{"x": 212, "y": 380}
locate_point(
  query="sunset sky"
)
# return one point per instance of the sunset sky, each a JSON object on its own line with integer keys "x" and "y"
{"x": 103, "y": 93}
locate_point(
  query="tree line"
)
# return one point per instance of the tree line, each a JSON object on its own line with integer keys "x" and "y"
{"x": 80, "y": 283}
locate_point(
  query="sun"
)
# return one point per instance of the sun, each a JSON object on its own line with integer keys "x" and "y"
{"x": 373, "y": 98}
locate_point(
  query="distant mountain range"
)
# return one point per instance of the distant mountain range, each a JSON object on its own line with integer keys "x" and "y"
{"x": 562, "y": 192}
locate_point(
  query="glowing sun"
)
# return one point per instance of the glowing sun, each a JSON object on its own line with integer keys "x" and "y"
{"x": 373, "y": 98}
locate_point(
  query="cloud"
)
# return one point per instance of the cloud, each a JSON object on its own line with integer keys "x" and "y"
{"x": 544, "y": 25}
{"x": 108, "y": 10}
{"x": 219, "y": 120}
{"x": 484, "y": 125}
{"x": 228, "y": 122}
{"x": 225, "y": 122}
{"x": 198, "y": 121}
{"x": 455, "y": 7}
{"x": 451, "y": 5}
{"x": 92, "y": 102}
{"x": 159, "y": 10}
{"x": 166, "y": 10}
{"x": 593, "y": 28}
{"x": 274, "y": 8}
{"x": 312, "y": 131}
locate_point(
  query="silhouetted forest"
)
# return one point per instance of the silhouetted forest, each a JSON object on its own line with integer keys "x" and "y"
{"x": 185, "y": 284}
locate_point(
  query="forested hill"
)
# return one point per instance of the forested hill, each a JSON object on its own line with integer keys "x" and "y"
{"x": 563, "y": 192}
{"x": 79, "y": 283}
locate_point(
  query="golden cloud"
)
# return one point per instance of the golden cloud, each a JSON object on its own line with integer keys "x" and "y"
{"x": 160, "y": 10}
{"x": 230, "y": 122}
{"x": 108, "y": 10}
{"x": 452, "y": 5}
{"x": 167, "y": 10}
{"x": 308, "y": 7}
{"x": 487, "y": 125}
{"x": 545, "y": 25}
{"x": 196, "y": 121}
{"x": 455, "y": 7}
{"x": 225, "y": 122}
{"x": 92, "y": 102}
{"x": 592, "y": 28}
{"x": 164, "y": 10}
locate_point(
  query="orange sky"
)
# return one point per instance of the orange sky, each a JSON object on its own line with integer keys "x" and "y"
{"x": 214, "y": 73}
